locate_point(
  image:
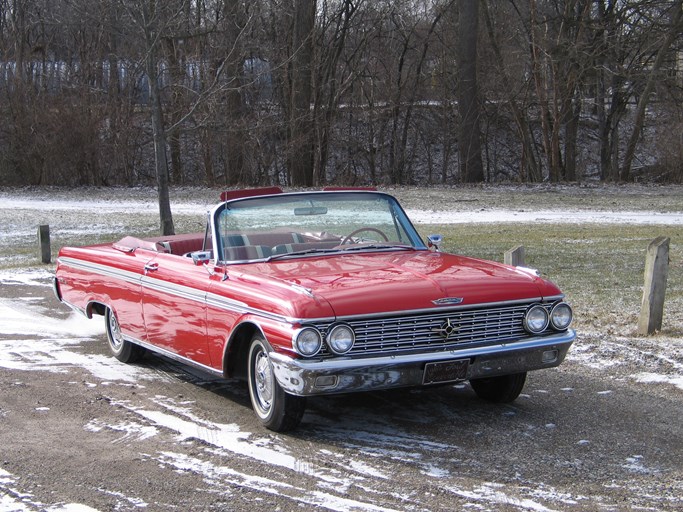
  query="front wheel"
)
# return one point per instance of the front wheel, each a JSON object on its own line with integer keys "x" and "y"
{"x": 500, "y": 390}
{"x": 123, "y": 350}
{"x": 278, "y": 411}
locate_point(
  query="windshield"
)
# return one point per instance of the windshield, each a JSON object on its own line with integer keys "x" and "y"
{"x": 292, "y": 225}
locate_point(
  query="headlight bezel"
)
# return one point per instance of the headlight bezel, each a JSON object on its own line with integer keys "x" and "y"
{"x": 298, "y": 341}
{"x": 554, "y": 313}
{"x": 333, "y": 346}
{"x": 531, "y": 323}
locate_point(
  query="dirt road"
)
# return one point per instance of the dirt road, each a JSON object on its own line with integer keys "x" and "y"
{"x": 81, "y": 431}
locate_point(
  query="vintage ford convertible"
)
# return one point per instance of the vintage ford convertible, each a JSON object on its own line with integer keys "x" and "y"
{"x": 314, "y": 293}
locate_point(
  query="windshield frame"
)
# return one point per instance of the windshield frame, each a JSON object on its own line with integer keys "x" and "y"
{"x": 399, "y": 217}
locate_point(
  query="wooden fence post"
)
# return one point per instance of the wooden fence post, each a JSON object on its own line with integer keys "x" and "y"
{"x": 656, "y": 272}
{"x": 515, "y": 256}
{"x": 44, "y": 241}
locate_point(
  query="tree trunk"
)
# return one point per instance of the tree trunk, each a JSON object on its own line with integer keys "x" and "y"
{"x": 300, "y": 149}
{"x": 235, "y": 172}
{"x": 469, "y": 142}
{"x": 158, "y": 128}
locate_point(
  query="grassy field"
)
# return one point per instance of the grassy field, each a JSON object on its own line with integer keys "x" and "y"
{"x": 599, "y": 266}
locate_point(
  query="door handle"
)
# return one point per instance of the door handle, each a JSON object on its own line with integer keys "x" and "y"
{"x": 150, "y": 267}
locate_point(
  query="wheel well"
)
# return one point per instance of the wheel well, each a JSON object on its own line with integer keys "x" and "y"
{"x": 95, "y": 308}
{"x": 237, "y": 351}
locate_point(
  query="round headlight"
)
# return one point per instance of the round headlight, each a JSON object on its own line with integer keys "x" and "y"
{"x": 536, "y": 319}
{"x": 308, "y": 341}
{"x": 340, "y": 339}
{"x": 561, "y": 316}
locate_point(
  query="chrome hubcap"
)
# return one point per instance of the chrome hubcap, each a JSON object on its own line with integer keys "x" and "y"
{"x": 263, "y": 380}
{"x": 116, "y": 338}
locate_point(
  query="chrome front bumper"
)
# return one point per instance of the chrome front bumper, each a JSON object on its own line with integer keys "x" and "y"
{"x": 345, "y": 375}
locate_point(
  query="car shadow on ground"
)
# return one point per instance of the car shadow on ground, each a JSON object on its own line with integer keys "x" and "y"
{"x": 416, "y": 407}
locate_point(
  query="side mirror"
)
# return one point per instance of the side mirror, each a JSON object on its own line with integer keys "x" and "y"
{"x": 200, "y": 257}
{"x": 434, "y": 241}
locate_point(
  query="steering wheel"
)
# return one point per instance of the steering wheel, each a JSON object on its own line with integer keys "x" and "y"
{"x": 347, "y": 238}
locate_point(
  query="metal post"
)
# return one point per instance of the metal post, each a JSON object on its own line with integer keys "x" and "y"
{"x": 44, "y": 241}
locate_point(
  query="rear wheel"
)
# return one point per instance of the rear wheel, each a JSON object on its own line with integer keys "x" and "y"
{"x": 278, "y": 411}
{"x": 123, "y": 350}
{"x": 501, "y": 390}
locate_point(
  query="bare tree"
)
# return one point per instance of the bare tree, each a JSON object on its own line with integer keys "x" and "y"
{"x": 152, "y": 19}
{"x": 299, "y": 125}
{"x": 469, "y": 142}
{"x": 668, "y": 37}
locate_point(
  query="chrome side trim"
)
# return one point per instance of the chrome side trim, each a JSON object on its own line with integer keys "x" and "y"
{"x": 215, "y": 300}
{"x": 75, "y": 308}
{"x": 179, "y": 290}
{"x": 105, "y": 270}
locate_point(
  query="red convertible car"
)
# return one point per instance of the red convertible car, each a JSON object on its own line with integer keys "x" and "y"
{"x": 314, "y": 293}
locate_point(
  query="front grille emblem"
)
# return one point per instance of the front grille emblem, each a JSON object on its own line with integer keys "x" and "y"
{"x": 446, "y": 329}
{"x": 448, "y": 301}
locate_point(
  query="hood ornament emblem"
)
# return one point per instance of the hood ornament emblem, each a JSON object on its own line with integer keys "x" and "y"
{"x": 448, "y": 301}
{"x": 446, "y": 329}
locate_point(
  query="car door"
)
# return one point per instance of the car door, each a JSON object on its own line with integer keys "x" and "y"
{"x": 174, "y": 306}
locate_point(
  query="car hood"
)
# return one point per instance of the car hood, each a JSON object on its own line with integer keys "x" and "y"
{"x": 367, "y": 283}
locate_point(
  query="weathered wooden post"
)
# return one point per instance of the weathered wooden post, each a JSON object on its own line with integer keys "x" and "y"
{"x": 515, "y": 256}
{"x": 44, "y": 242}
{"x": 656, "y": 272}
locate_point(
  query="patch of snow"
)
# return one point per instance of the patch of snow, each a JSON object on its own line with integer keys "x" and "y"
{"x": 71, "y": 507}
{"x": 30, "y": 277}
{"x": 434, "y": 471}
{"x": 221, "y": 477}
{"x": 13, "y": 500}
{"x": 17, "y": 319}
{"x": 493, "y": 493}
{"x": 136, "y": 502}
{"x": 634, "y": 464}
{"x": 649, "y": 378}
{"x": 131, "y": 430}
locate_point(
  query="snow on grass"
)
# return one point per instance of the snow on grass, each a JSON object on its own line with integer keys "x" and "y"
{"x": 97, "y": 207}
{"x": 544, "y": 216}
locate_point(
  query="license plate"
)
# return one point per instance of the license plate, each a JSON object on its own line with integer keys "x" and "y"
{"x": 445, "y": 371}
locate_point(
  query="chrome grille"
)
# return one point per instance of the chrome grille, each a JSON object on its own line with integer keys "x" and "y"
{"x": 427, "y": 331}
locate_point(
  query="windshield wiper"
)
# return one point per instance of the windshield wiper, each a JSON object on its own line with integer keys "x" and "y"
{"x": 300, "y": 253}
{"x": 361, "y": 247}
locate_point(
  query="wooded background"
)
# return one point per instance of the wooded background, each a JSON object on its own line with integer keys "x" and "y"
{"x": 358, "y": 92}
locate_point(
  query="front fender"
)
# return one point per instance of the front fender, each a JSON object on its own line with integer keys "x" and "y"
{"x": 277, "y": 335}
